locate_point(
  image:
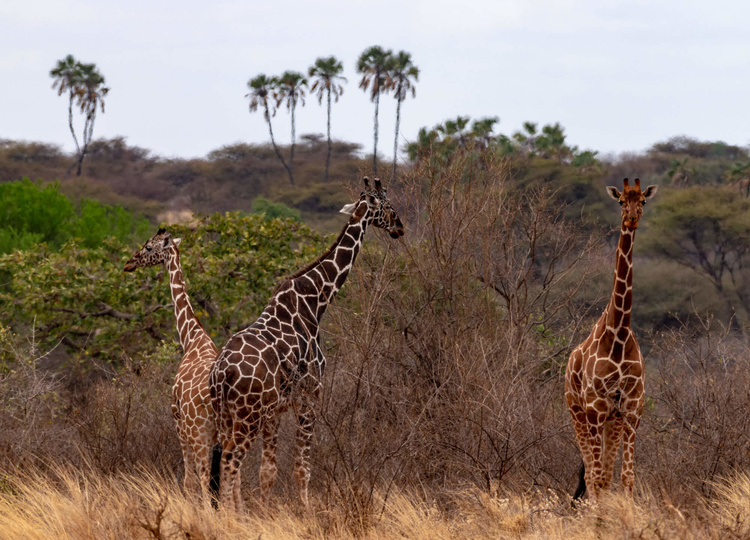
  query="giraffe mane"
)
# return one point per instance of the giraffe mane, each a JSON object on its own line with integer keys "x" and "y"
{"x": 305, "y": 269}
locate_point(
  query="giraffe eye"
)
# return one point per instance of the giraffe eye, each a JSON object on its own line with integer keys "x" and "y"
{"x": 644, "y": 203}
{"x": 148, "y": 248}
{"x": 620, "y": 202}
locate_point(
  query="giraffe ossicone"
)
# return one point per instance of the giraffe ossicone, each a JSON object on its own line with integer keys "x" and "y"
{"x": 191, "y": 398}
{"x": 277, "y": 363}
{"x": 605, "y": 377}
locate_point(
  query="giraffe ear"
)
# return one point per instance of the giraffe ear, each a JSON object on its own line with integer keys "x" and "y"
{"x": 348, "y": 209}
{"x": 176, "y": 241}
{"x": 650, "y": 191}
{"x": 614, "y": 192}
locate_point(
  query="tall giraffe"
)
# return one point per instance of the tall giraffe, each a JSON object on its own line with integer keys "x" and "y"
{"x": 277, "y": 363}
{"x": 604, "y": 379}
{"x": 191, "y": 398}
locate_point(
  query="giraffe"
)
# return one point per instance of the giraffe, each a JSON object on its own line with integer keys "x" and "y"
{"x": 191, "y": 400}
{"x": 277, "y": 363}
{"x": 604, "y": 379}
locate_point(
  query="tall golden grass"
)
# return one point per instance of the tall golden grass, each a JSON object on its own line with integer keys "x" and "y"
{"x": 70, "y": 504}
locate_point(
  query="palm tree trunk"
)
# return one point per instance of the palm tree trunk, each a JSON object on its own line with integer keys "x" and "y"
{"x": 398, "y": 121}
{"x": 375, "y": 134}
{"x": 88, "y": 132}
{"x": 276, "y": 148}
{"x": 73, "y": 132}
{"x": 328, "y": 155}
{"x": 291, "y": 154}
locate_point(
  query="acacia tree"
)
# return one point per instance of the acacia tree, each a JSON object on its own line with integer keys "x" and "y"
{"x": 84, "y": 85}
{"x": 373, "y": 65}
{"x": 290, "y": 89}
{"x": 261, "y": 88}
{"x": 402, "y": 74}
{"x": 326, "y": 72}
{"x": 706, "y": 229}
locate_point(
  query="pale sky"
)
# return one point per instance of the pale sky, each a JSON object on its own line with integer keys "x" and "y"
{"x": 618, "y": 75}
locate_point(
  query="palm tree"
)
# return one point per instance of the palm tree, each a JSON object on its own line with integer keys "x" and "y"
{"x": 85, "y": 85}
{"x": 679, "y": 172}
{"x": 290, "y": 88}
{"x": 738, "y": 175}
{"x": 402, "y": 74}
{"x": 261, "y": 88}
{"x": 90, "y": 95}
{"x": 373, "y": 65}
{"x": 527, "y": 138}
{"x": 326, "y": 72}
{"x": 482, "y": 131}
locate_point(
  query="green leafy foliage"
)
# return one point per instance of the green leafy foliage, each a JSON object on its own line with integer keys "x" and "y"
{"x": 271, "y": 210}
{"x": 706, "y": 229}
{"x": 80, "y": 297}
{"x": 32, "y": 213}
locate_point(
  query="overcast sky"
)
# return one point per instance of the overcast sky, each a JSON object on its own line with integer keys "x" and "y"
{"x": 618, "y": 75}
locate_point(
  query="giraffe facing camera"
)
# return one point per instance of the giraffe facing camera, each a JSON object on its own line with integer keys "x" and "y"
{"x": 277, "y": 363}
{"x": 605, "y": 376}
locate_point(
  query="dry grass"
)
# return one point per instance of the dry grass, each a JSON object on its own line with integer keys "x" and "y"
{"x": 68, "y": 504}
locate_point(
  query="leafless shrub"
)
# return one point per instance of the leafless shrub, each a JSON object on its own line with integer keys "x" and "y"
{"x": 697, "y": 428}
{"x": 446, "y": 352}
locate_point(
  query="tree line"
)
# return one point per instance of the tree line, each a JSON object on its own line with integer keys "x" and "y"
{"x": 382, "y": 71}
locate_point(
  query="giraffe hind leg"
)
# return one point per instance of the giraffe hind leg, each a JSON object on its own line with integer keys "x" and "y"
{"x": 268, "y": 466}
{"x": 306, "y": 424}
{"x": 234, "y": 450}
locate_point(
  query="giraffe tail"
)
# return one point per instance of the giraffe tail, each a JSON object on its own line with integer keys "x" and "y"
{"x": 581, "y": 489}
{"x": 215, "y": 475}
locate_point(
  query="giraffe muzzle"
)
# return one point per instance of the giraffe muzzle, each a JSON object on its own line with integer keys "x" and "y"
{"x": 129, "y": 266}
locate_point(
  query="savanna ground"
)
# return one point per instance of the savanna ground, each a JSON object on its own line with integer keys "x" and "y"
{"x": 442, "y": 412}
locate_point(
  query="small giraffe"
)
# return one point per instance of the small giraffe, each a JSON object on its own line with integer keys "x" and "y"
{"x": 604, "y": 379}
{"x": 191, "y": 399}
{"x": 277, "y": 363}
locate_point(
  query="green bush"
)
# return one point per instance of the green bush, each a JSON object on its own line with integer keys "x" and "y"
{"x": 80, "y": 297}
{"x": 32, "y": 213}
{"x": 271, "y": 210}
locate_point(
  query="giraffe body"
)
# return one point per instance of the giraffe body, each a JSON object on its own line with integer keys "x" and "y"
{"x": 605, "y": 376}
{"x": 277, "y": 363}
{"x": 191, "y": 400}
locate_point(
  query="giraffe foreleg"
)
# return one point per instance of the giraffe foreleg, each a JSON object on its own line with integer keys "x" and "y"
{"x": 595, "y": 473}
{"x": 627, "y": 476}
{"x": 581, "y": 429}
{"x": 612, "y": 439}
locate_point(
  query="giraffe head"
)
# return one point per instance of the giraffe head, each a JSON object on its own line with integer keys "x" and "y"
{"x": 154, "y": 251}
{"x": 632, "y": 200}
{"x": 374, "y": 201}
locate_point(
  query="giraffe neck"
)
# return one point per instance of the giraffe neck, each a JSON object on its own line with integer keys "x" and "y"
{"x": 330, "y": 271}
{"x": 188, "y": 325}
{"x": 621, "y": 301}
